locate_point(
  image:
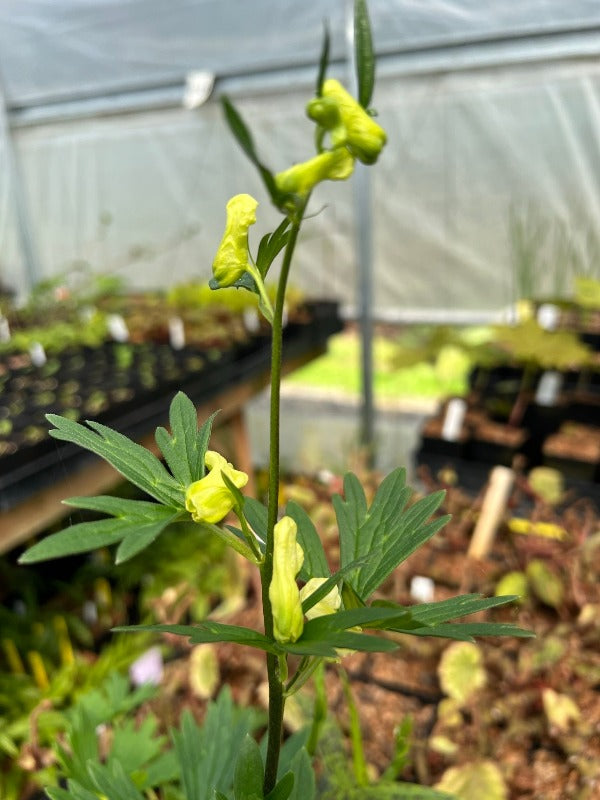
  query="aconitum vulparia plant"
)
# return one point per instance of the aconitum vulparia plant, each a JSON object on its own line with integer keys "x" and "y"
{"x": 311, "y": 614}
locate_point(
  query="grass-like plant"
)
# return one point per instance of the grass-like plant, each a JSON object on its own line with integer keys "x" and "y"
{"x": 310, "y": 613}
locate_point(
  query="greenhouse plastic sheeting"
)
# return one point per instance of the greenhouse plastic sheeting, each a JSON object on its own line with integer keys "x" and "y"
{"x": 491, "y": 110}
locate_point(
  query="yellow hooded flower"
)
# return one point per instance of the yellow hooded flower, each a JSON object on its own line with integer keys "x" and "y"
{"x": 209, "y": 499}
{"x": 328, "y": 605}
{"x": 332, "y": 165}
{"x": 231, "y": 260}
{"x": 350, "y": 125}
{"x": 288, "y": 557}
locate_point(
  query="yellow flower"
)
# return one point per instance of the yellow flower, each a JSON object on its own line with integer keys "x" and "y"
{"x": 286, "y": 606}
{"x": 209, "y": 499}
{"x": 351, "y": 125}
{"x": 333, "y": 165}
{"x": 328, "y": 605}
{"x": 231, "y": 260}
{"x": 331, "y": 603}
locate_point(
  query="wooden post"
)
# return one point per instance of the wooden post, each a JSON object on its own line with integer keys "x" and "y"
{"x": 492, "y": 511}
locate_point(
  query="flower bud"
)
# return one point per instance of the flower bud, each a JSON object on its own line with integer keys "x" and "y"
{"x": 209, "y": 499}
{"x": 286, "y": 606}
{"x": 332, "y": 165}
{"x": 231, "y": 260}
{"x": 363, "y": 137}
{"x": 328, "y": 605}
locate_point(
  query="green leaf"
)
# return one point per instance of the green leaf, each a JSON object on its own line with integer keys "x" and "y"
{"x": 323, "y": 60}
{"x": 113, "y": 782}
{"x": 455, "y": 607}
{"x": 387, "y": 532}
{"x": 363, "y": 47}
{"x": 210, "y": 631}
{"x": 270, "y": 246}
{"x": 244, "y": 138}
{"x": 257, "y": 516}
{"x": 283, "y": 788}
{"x": 75, "y": 792}
{"x": 315, "y": 561}
{"x": 185, "y": 448}
{"x": 367, "y": 617}
{"x": 116, "y": 506}
{"x": 132, "y": 460}
{"x": 465, "y": 631}
{"x": 238, "y": 497}
{"x": 141, "y": 537}
{"x": 248, "y": 772}
{"x": 304, "y": 777}
{"x": 206, "y": 753}
{"x": 100, "y": 533}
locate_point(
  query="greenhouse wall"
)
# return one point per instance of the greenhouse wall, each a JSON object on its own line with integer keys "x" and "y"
{"x": 489, "y": 183}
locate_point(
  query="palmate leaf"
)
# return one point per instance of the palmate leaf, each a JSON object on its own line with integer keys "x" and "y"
{"x": 184, "y": 449}
{"x": 135, "y": 529}
{"x": 244, "y": 138}
{"x": 363, "y": 47}
{"x": 132, "y": 460}
{"x": 205, "y": 753}
{"x": 387, "y": 532}
{"x": 112, "y": 781}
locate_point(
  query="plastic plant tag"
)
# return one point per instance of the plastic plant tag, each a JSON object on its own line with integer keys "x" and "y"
{"x": 548, "y": 316}
{"x": 548, "y": 388}
{"x": 148, "y": 668}
{"x": 453, "y": 421}
{"x": 117, "y": 328}
{"x": 38, "y": 354}
{"x": 422, "y": 589}
{"x": 176, "y": 333}
{"x": 251, "y": 320}
{"x": 198, "y": 88}
{"x": 4, "y": 330}
{"x": 89, "y": 612}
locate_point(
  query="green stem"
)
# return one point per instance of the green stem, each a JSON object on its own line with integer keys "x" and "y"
{"x": 276, "y": 689}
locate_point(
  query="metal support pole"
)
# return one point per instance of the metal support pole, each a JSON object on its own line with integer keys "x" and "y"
{"x": 361, "y": 187}
{"x": 28, "y": 248}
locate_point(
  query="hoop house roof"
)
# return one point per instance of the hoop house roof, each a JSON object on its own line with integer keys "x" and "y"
{"x": 52, "y": 50}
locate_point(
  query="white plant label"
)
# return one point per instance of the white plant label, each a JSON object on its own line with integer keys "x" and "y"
{"x": 422, "y": 589}
{"x": 4, "y": 330}
{"x": 176, "y": 333}
{"x": 548, "y": 316}
{"x": 117, "y": 328}
{"x": 38, "y": 354}
{"x": 548, "y": 388}
{"x": 453, "y": 421}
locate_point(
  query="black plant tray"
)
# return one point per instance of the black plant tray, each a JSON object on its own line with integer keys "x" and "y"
{"x": 35, "y": 466}
{"x": 472, "y": 476}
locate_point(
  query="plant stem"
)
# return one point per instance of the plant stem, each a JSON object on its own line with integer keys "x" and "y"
{"x": 276, "y": 695}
